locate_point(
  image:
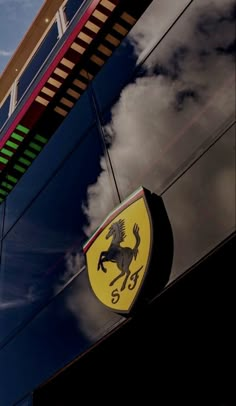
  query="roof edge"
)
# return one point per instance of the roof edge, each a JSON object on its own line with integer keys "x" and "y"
{"x": 27, "y": 45}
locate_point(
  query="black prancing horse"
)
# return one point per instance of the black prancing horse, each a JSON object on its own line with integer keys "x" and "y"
{"x": 121, "y": 255}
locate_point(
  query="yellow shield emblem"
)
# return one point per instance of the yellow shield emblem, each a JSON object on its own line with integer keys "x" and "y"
{"x": 118, "y": 253}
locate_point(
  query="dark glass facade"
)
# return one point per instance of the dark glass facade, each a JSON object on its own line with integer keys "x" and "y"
{"x": 38, "y": 60}
{"x": 25, "y": 402}
{"x": 72, "y": 7}
{"x": 4, "y": 111}
{"x": 160, "y": 113}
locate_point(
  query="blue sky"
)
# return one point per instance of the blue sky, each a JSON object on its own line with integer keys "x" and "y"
{"x": 16, "y": 17}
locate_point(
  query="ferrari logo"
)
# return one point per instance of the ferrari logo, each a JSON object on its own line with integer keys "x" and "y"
{"x": 118, "y": 253}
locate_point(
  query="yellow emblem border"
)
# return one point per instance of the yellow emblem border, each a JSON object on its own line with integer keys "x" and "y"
{"x": 140, "y": 193}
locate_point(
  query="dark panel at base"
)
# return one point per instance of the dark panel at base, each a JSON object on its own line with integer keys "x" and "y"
{"x": 180, "y": 351}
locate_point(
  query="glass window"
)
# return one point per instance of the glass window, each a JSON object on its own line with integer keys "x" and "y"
{"x": 179, "y": 102}
{"x": 38, "y": 60}
{"x": 72, "y": 7}
{"x": 25, "y": 402}
{"x": 148, "y": 30}
{"x": 1, "y": 218}
{"x": 4, "y": 110}
{"x": 201, "y": 204}
{"x": 65, "y": 139}
{"x": 39, "y": 250}
{"x": 64, "y": 329}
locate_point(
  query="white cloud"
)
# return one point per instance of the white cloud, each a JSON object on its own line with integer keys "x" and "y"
{"x": 161, "y": 121}
{"x": 16, "y": 301}
{"x": 154, "y": 23}
{"x": 99, "y": 208}
{"x": 14, "y": 304}
{"x": 92, "y": 316}
{"x": 11, "y": 304}
{"x": 5, "y": 53}
{"x": 161, "y": 14}
{"x": 74, "y": 265}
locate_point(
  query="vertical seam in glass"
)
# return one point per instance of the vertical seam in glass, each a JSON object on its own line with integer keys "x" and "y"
{"x": 163, "y": 36}
{"x": 2, "y": 230}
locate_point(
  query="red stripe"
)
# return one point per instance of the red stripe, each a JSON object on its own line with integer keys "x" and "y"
{"x": 51, "y": 68}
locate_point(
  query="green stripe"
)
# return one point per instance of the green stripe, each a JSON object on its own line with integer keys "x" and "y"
{"x": 11, "y": 178}
{"x": 40, "y": 138}
{"x": 17, "y": 137}
{"x": 7, "y": 185}
{"x": 19, "y": 168}
{"x": 22, "y": 129}
{"x": 35, "y": 146}
{"x": 3, "y": 160}
{"x": 24, "y": 161}
{"x": 12, "y": 144}
{"x": 3, "y": 192}
{"x": 7, "y": 152}
{"x": 30, "y": 154}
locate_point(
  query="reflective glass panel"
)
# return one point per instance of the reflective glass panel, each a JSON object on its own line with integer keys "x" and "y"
{"x": 62, "y": 143}
{"x": 179, "y": 102}
{"x": 4, "y": 110}
{"x": 147, "y": 31}
{"x": 44, "y": 247}
{"x": 201, "y": 204}
{"x": 26, "y": 402}
{"x": 72, "y": 7}
{"x": 65, "y": 328}
{"x": 38, "y": 60}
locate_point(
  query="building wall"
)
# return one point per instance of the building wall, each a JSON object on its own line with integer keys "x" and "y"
{"x": 161, "y": 113}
